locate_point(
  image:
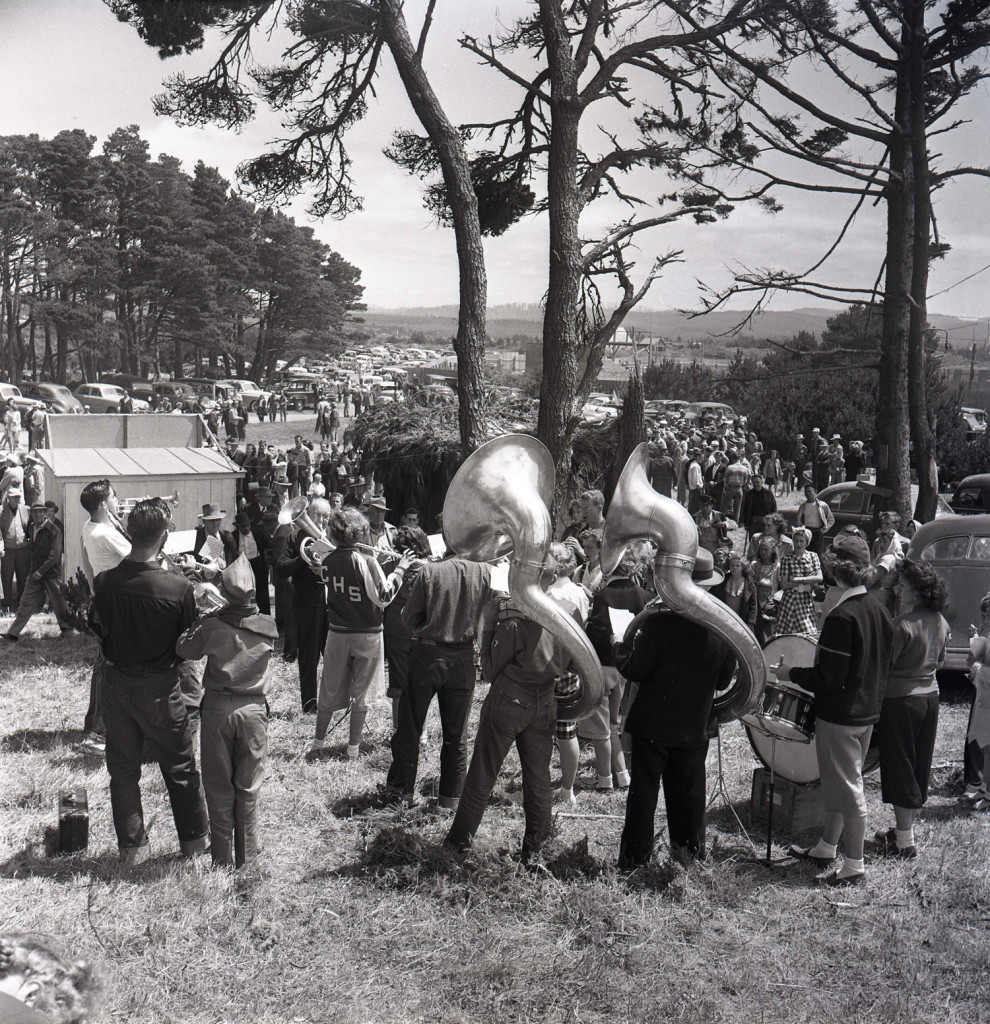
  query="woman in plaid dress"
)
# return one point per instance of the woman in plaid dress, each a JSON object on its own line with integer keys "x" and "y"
{"x": 799, "y": 572}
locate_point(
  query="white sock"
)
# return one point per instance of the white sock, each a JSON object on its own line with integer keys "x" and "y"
{"x": 353, "y": 750}
{"x": 822, "y": 849}
{"x": 904, "y": 839}
{"x": 851, "y": 867}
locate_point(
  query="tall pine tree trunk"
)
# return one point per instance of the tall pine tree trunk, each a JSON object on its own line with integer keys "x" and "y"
{"x": 893, "y": 462}
{"x": 922, "y": 432}
{"x": 560, "y": 341}
{"x": 472, "y": 309}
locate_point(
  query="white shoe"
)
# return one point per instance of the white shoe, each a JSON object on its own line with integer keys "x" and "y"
{"x": 566, "y": 796}
{"x": 622, "y": 780}
{"x": 353, "y": 752}
{"x": 92, "y": 744}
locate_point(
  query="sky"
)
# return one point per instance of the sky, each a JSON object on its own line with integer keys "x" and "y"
{"x": 69, "y": 64}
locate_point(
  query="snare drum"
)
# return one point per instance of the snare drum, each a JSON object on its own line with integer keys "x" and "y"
{"x": 772, "y": 734}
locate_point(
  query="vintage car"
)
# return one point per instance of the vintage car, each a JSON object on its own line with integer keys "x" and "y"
{"x": 22, "y": 403}
{"x": 972, "y": 496}
{"x": 57, "y": 397}
{"x": 958, "y": 548}
{"x": 853, "y": 504}
{"x": 107, "y": 398}
{"x": 248, "y": 392}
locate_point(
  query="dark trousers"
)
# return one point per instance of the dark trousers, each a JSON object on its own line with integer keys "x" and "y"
{"x": 311, "y": 638}
{"x": 906, "y": 734}
{"x": 817, "y": 542}
{"x": 93, "y": 721}
{"x": 446, "y": 672}
{"x": 285, "y": 616}
{"x": 972, "y": 758}
{"x": 33, "y": 601}
{"x": 682, "y": 771}
{"x": 145, "y": 712}
{"x": 511, "y": 714}
{"x": 15, "y": 564}
{"x": 397, "y": 654}
{"x": 261, "y": 595}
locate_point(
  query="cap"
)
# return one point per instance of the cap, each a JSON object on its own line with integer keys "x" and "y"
{"x": 237, "y": 581}
{"x": 836, "y": 437}
{"x": 242, "y": 519}
{"x": 852, "y": 549}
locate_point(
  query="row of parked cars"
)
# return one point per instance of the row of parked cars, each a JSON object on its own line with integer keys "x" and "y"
{"x": 108, "y": 394}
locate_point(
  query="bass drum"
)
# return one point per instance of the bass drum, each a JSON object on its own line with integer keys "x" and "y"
{"x": 795, "y": 761}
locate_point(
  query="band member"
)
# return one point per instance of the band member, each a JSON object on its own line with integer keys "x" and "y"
{"x": 354, "y": 659}
{"x": 251, "y": 541}
{"x": 15, "y": 547}
{"x": 442, "y": 611}
{"x": 848, "y": 681}
{"x": 104, "y": 545}
{"x": 139, "y": 611}
{"x": 309, "y": 604}
{"x": 677, "y": 664}
{"x": 219, "y": 545}
{"x": 522, "y": 661}
{"x": 46, "y": 568}
{"x": 237, "y": 643}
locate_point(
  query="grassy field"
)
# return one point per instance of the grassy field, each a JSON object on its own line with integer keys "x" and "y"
{"x": 355, "y": 915}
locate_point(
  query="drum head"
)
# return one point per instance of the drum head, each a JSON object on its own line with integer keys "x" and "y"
{"x": 798, "y": 762}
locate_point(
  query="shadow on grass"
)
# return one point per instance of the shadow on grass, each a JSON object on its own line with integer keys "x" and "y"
{"x": 29, "y": 741}
{"x": 42, "y": 860}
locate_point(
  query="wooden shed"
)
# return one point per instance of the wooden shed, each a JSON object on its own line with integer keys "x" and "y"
{"x": 200, "y": 476}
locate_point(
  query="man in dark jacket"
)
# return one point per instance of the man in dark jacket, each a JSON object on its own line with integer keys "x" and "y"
{"x": 848, "y": 680}
{"x": 309, "y": 604}
{"x": 757, "y": 504}
{"x": 677, "y": 664}
{"x": 46, "y": 569}
{"x": 218, "y": 543}
{"x": 256, "y": 546}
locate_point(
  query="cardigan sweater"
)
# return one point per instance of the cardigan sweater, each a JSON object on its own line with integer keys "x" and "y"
{"x": 849, "y": 676}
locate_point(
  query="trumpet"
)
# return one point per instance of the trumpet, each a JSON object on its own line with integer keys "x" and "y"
{"x": 125, "y": 506}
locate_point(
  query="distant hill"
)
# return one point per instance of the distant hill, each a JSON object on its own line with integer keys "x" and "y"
{"x": 505, "y": 321}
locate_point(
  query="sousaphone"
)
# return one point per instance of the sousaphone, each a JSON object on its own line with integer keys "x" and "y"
{"x": 497, "y": 504}
{"x": 638, "y": 512}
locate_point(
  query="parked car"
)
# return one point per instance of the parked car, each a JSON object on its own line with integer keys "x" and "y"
{"x": 299, "y": 392}
{"x": 107, "y": 398}
{"x": 180, "y": 396}
{"x": 972, "y": 496}
{"x": 958, "y": 548}
{"x": 250, "y": 393}
{"x": 136, "y": 387}
{"x": 210, "y": 391}
{"x": 57, "y": 397}
{"x": 695, "y": 410}
{"x": 976, "y": 422}
{"x": 855, "y": 505}
{"x": 22, "y": 403}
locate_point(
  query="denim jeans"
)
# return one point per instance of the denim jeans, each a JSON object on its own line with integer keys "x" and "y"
{"x": 682, "y": 771}
{"x": 447, "y": 672}
{"x": 511, "y": 713}
{"x": 145, "y": 712}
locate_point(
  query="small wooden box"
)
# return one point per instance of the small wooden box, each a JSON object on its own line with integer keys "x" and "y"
{"x": 795, "y": 806}
{"x": 73, "y": 820}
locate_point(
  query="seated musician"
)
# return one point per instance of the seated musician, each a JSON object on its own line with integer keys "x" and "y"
{"x": 848, "y": 681}
{"x": 677, "y": 664}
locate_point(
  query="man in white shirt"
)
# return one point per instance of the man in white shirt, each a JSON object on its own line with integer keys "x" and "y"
{"x": 104, "y": 546}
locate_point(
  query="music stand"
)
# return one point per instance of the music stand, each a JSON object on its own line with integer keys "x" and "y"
{"x": 721, "y": 792}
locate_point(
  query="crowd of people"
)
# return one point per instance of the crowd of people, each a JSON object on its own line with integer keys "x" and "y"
{"x": 374, "y": 602}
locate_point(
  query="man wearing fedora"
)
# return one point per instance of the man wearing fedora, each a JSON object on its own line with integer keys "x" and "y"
{"x": 46, "y": 567}
{"x": 250, "y": 541}
{"x": 676, "y": 663}
{"x": 381, "y": 534}
{"x": 219, "y": 543}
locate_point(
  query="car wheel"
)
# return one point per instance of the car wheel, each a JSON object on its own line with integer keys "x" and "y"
{"x": 113, "y": 408}
{"x": 296, "y": 406}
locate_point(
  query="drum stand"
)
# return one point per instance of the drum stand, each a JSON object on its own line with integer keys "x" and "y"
{"x": 722, "y": 793}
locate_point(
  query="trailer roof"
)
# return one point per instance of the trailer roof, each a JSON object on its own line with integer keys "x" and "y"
{"x": 97, "y": 463}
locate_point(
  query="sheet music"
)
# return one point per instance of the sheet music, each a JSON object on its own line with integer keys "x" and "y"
{"x": 620, "y": 619}
{"x": 500, "y": 577}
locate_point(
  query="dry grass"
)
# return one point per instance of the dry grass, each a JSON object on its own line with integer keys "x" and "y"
{"x": 355, "y": 914}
